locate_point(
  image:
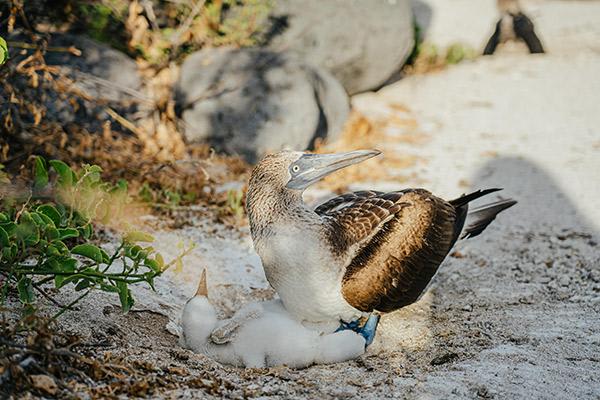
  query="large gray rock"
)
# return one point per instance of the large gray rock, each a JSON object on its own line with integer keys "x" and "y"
{"x": 362, "y": 43}
{"x": 250, "y": 101}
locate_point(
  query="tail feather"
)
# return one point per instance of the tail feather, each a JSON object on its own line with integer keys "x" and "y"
{"x": 465, "y": 199}
{"x": 480, "y": 217}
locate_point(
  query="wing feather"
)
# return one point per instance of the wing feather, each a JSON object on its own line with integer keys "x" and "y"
{"x": 394, "y": 243}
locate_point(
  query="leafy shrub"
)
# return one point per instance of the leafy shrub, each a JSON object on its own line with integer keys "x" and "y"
{"x": 46, "y": 233}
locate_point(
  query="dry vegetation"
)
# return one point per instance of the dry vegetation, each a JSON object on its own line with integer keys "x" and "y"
{"x": 364, "y": 133}
{"x": 150, "y": 153}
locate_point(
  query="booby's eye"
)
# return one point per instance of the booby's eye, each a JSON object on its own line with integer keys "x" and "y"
{"x": 296, "y": 168}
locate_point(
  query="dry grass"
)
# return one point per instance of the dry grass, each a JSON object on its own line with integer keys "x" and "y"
{"x": 43, "y": 361}
{"x": 150, "y": 153}
{"x": 363, "y": 133}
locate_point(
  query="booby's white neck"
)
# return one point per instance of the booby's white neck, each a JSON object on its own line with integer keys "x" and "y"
{"x": 266, "y": 210}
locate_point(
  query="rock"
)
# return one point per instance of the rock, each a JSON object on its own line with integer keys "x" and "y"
{"x": 251, "y": 101}
{"x": 102, "y": 75}
{"x": 100, "y": 71}
{"x": 444, "y": 358}
{"x": 362, "y": 43}
{"x": 44, "y": 384}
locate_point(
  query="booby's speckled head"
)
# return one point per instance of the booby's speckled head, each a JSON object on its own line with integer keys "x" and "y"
{"x": 278, "y": 180}
{"x": 294, "y": 170}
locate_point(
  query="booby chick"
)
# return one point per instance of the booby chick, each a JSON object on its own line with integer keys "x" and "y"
{"x": 261, "y": 334}
{"x": 358, "y": 253}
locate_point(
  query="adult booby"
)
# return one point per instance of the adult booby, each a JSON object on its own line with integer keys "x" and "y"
{"x": 513, "y": 25}
{"x": 357, "y": 253}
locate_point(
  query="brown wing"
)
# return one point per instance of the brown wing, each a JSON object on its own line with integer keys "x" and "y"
{"x": 353, "y": 218}
{"x": 396, "y": 243}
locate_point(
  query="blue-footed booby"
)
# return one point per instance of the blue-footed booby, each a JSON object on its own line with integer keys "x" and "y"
{"x": 355, "y": 254}
{"x": 513, "y": 25}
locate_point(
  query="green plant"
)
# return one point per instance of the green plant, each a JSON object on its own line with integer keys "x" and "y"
{"x": 3, "y": 51}
{"x": 458, "y": 52}
{"x": 46, "y": 234}
{"x": 235, "y": 202}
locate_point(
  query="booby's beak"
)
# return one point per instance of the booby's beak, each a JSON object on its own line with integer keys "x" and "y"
{"x": 310, "y": 168}
{"x": 202, "y": 290}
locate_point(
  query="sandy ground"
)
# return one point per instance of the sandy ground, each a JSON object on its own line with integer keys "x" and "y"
{"x": 514, "y": 313}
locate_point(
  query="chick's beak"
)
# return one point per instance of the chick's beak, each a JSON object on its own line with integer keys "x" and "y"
{"x": 311, "y": 168}
{"x": 202, "y": 290}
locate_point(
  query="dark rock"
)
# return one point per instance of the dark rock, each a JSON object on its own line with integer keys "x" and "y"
{"x": 362, "y": 43}
{"x": 101, "y": 77}
{"x": 444, "y": 358}
{"x": 250, "y": 101}
{"x": 101, "y": 71}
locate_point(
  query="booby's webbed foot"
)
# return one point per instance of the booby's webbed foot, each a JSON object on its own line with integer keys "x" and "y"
{"x": 367, "y": 331}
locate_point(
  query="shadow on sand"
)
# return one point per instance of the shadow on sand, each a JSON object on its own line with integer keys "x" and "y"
{"x": 526, "y": 281}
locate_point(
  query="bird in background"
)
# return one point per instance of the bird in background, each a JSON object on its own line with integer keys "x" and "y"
{"x": 261, "y": 334}
{"x": 359, "y": 254}
{"x": 513, "y": 25}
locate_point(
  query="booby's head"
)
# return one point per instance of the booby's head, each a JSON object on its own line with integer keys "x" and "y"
{"x": 509, "y": 6}
{"x": 295, "y": 170}
{"x": 279, "y": 179}
{"x": 198, "y": 308}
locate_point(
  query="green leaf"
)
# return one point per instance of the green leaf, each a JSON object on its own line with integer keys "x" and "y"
{"x": 152, "y": 264}
{"x": 9, "y": 227}
{"x": 52, "y": 251}
{"x": 83, "y": 284}
{"x": 124, "y": 296}
{"x": 68, "y": 265}
{"x": 57, "y": 248}
{"x": 60, "y": 246}
{"x": 40, "y": 174}
{"x": 48, "y": 223}
{"x": 52, "y": 233}
{"x": 25, "y": 290}
{"x": 26, "y": 230}
{"x": 64, "y": 265}
{"x": 51, "y": 213}
{"x": 8, "y": 253}
{"x": 146, "y": 194}
{"x": 64, "y": 172}
{"x": 68, "y": 233}
{"x": 37, "y": 219}
{"x": 62, "y": 280}
{"x": 132, "y": 251}
{"x": 105, "y": 256}
{"x": 90, "y": 251}
{"x": 138, "y": 236}
{"x": 120, "y": 187}
{"x": 109, "y": 288}
{"x": 3, "y": 217}
{"x": 87, "y": 231}
{"x": 3, "y": 51}
{"x": 149, "y": 276}
{"x": 4, "y": 240}
{"x": 94, "y": 168}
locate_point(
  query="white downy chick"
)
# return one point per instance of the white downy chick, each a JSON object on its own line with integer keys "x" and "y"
{"x": 261, "y": 334}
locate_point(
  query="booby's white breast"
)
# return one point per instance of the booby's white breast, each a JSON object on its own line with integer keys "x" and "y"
{"x": 306, "y": 275}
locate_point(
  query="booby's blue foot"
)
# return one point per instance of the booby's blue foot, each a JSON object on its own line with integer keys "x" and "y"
{"x": 370, "y": 328}
{"x": 367, "y": 331}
